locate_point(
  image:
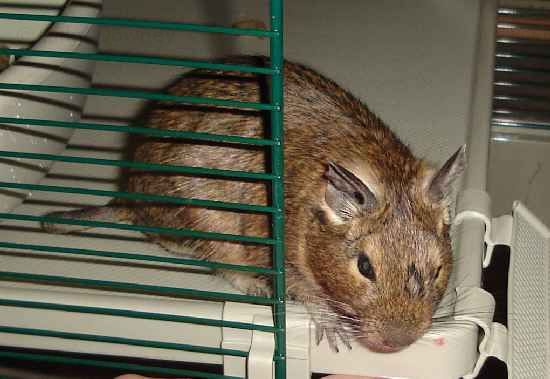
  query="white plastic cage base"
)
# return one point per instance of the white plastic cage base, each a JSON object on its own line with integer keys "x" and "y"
{"x": 449, "y": 358}
{"x": 67, "y": 107}
{"x": 525, "y": 346}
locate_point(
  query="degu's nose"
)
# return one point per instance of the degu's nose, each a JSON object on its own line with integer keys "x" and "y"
{"x": 394, "y": 336}
{"x": 398, "y": 336}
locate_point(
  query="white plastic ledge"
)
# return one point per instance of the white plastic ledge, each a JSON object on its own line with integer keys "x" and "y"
{"x": 43, "y": 105}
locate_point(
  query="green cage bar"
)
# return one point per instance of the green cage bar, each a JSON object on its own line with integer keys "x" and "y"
{"x": 140, "y": 228}
{"x": 134, "y": 287}
{"x": 138, "y": 130}
{"x": 136, "y": 314}
{"x": 132, "y": 94}
{"x": 520, "y": 125}
{"x": 136, "y": 257}
{"x": 519, "y": 56}
{"x": 523, "y": 12}
{"x": 142, "y": 24}
{"x": 141, "y": 59}
{"x": 123, "y": 341}
{"x": 140, "y": 165}
{"x": 275, "y": 209}
{"x": 110, "y": 364}
{"x": 277, "y": 168}
{"x": 142, "y": 196}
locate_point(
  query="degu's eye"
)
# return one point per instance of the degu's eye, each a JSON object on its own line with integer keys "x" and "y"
{"x": 365, "y": 267}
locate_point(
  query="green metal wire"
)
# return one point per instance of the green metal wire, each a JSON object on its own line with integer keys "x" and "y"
{"x": 516, "y": 83}
{"x": 135, "y": 287}
{"x": 142, "y": 24}
{"x": 142, "y": 196}
{"x": 129, "y": 367}
{"x": 136, "y": 314}
{"x": 522, "y": 125}
{"x": 136, "y": 256}
{"x": 503, "y": 68}
{"x": 141, "y": 59}
{"x": 140, "y": 228}
{"x": 520, "y": 56}
{"x": 507, "y": 41}
{"x": 275, "y": 106}
{"x": 123, "y": 341}
{"x": 519, "y": 98}
{"x": 133, "y": 94}
{"x": 140, "y": 165}
{"x": 277, "y": 168}
{"x": 523, "y": 12}
{"x": 154, "y": 132}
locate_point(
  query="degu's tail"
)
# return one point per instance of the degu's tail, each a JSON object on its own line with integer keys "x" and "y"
{"x": 108, "y": 213}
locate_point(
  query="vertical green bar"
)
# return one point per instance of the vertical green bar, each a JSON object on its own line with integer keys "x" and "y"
{"x": 277, "y": 167}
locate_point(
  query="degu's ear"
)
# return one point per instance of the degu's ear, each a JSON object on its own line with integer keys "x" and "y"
{"x": 440, "y": 184}
{"x": 346, "y": 195}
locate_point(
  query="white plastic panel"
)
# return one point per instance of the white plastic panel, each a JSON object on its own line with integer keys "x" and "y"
{"x": 44, "y": 105}
{"x": 17, "y": 33}
{"x": 113, "y": 326}
{"x": 448, "y": 352}
{"x": 529, "y": 297}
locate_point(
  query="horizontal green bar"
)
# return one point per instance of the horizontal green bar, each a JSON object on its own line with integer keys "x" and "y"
{"x": 523, "y": 42}
{"x": 164, "y": 133}
{"x": 520, "y": 83}
{"x": 139, "y": 257}
{"x": 532, "y": 71}
{"x": 185, "y": 292}
{"x": 518, "y": 98}
{"x": 141, "y": 196}
{"x": 123, "y": 341}
{"x": 524, "y": 125}
{"x": 527, "y": 12}
{"x": 140, "y": 165}
{"x": 142, "y": 59}
{"x": 140, "y": 228}
{"x": 129, "y": 367}
{"x": 143, "y": 24}
{"x": 514, "y": 24}
{"x": 133, "y": 94}
{"x": 136, "y": 314}
{"x": 522, "y": 56}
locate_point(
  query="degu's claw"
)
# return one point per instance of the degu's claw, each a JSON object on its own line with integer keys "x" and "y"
{"x": 334, "y": 332}
{"x": 332, "y": 339}
{"x": 318, "y": 333}
{"x": 345, "y": 339}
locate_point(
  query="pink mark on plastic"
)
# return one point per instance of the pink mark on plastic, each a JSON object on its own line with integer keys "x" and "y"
{"x": 439, "y": 341}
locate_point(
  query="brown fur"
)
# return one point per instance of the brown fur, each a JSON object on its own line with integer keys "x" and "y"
{"x": 406, "y": 238}
{"x": 4, "y": 60}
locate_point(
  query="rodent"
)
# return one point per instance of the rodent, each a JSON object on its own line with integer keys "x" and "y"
{"x": 367, "y": 223}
